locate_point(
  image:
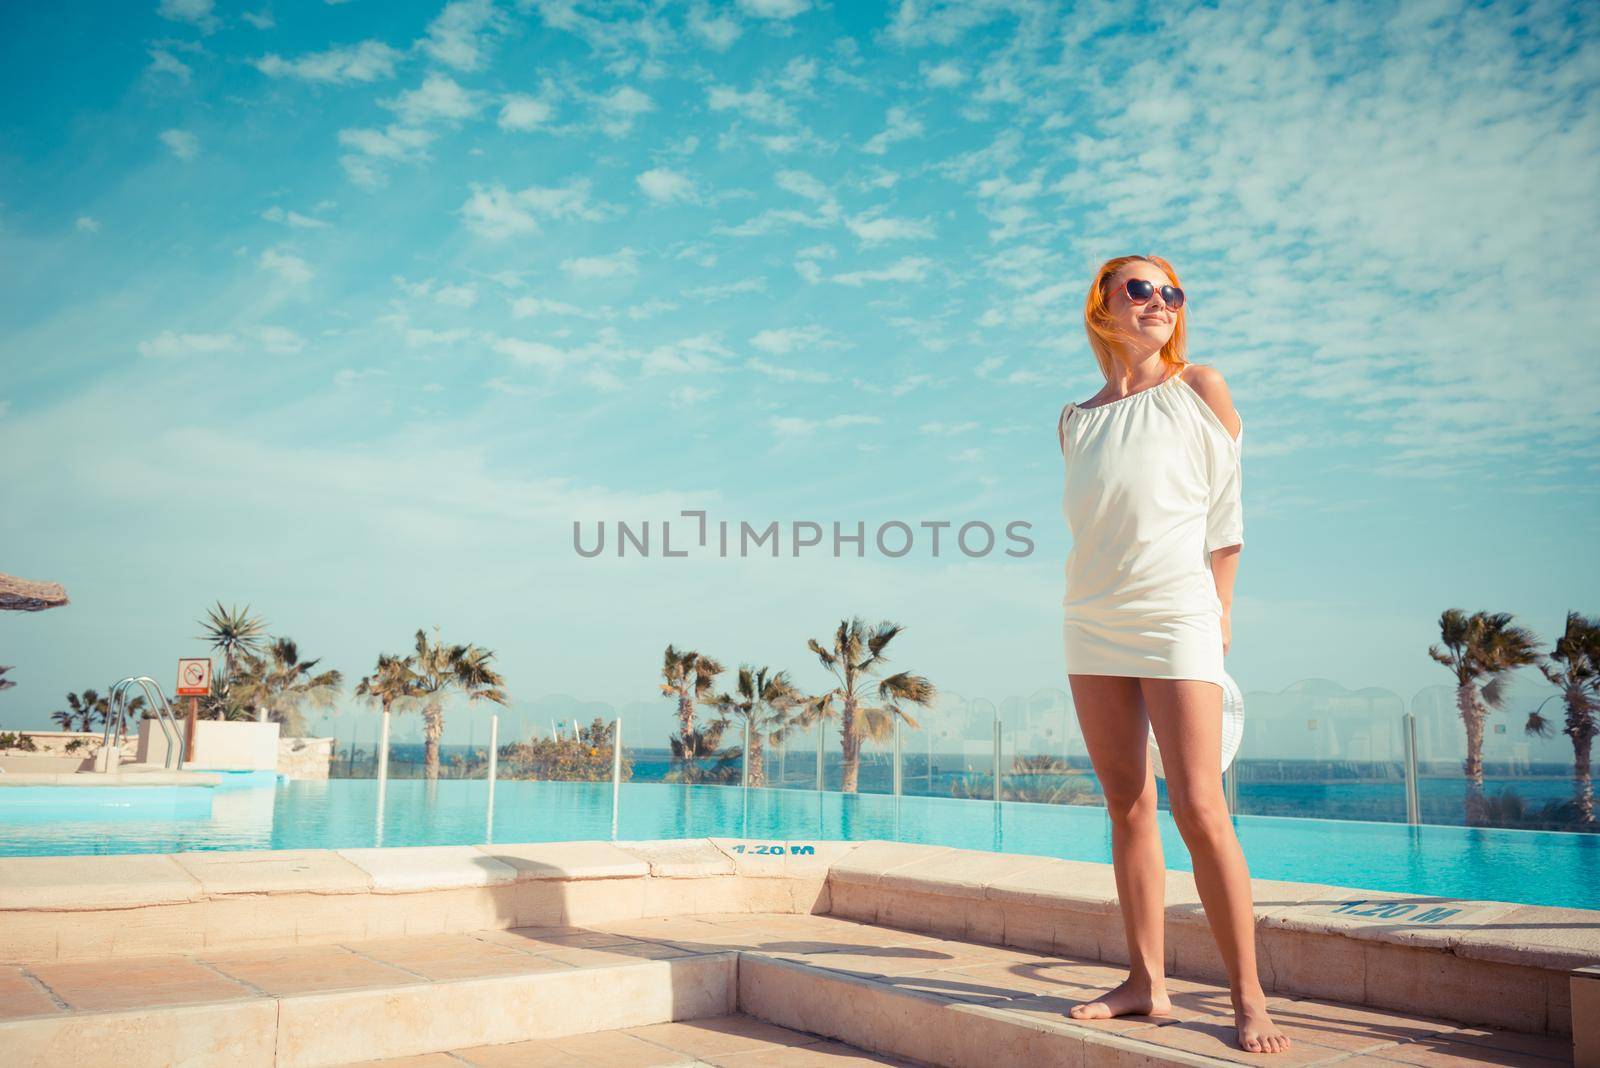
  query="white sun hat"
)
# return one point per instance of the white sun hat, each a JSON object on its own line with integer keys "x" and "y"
{"x": 1232, "y": 727}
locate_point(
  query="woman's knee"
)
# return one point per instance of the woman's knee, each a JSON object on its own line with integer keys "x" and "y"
{"x": 1201, "y": 819}
{"x": 1131, "y": 808}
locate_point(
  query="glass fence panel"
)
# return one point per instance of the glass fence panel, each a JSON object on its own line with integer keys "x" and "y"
{"x": 950, "y": 753}
{"x": 352, "y": 731}
{"x": 789, "y": 755}
{"x": 1527, "y": 780}
{"x": 1042, "y": 754}
{"x": 874, "y": 764}
{"x": 1317, "y": 749}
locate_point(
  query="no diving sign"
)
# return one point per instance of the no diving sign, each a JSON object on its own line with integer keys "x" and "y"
{"x": 194, "y": 677}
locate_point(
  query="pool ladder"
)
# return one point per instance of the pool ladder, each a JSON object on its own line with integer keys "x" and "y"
{"x": 117, "y": 716}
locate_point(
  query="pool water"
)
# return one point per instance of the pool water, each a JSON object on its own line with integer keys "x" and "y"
{"x": 1535, "y": 867}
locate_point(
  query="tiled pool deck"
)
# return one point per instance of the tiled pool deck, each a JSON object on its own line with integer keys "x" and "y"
{"x": 587, "y": 952}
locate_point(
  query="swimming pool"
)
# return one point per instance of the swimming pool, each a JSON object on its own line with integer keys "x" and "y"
{"x": 1534, "y": 867}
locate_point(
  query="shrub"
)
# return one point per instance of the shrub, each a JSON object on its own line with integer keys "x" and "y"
{"x": 586, "y": 758}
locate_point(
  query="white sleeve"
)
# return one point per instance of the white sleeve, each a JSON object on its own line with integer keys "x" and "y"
{"x": 1225, "y": 516}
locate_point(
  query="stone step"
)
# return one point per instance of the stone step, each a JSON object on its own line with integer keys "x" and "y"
{"x": 327, "y": 1005}
{"x": 900, "y": 995}
{"x": 966, "y": 1004}
{"x": 733, "y": 1041}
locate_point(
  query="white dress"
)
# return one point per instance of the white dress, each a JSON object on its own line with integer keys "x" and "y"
{"x": 1152, "y": 488}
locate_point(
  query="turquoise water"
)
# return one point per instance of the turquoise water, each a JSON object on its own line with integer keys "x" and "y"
{"x": 1535, "y": 867}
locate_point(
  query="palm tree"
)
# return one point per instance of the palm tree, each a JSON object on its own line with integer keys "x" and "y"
{"x": 854, "y": 660}
{"x": 1579, "y": 682}
{"x": 91, "y": 709}
{"x": 236, "y": 633}
{"x": 392, "y": 683}
{"x": 1483, "y": 644}
{"x": 687, "y": 677}
{"x": 279, "y": 684}
{"x": 703, "y": 743}
{"x": 441, "y": 669}
{"x": 5, "y": 683}
{"x": 768, "y": 704}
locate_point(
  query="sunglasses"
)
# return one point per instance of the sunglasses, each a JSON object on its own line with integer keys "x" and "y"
{"x": 1141, "y": 290}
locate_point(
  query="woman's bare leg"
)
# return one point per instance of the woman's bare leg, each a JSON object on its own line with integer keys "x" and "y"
{"x": 1186, "y": 715}
{"x": 1111, "y": 713}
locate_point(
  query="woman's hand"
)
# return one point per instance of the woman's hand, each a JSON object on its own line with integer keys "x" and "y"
{"x": 1227, "y": 628}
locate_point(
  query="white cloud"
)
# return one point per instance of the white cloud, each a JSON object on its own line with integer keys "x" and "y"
{"x": 439, "y": 97}
{"x": 164, "y": 62}
{"x": 368, "y": 61}
{"x": 195, "y": 12}
{"x": 782, "y": 341}
{"x": 499, "y": 384}
{"x": 393, "y": 143}
{"x": 293, "y": 218}
{"x": 497, "y": 213}
{"x": 794, "y": 426}
{"x": 527, "y": 307}
{"x": 802, "y": 184}
{"x": 621, "y": 107}
{"x": 521, "y": 112}
{"x": 689, "y": 355}
{"x": 664, "y": 186}
{"x": 946, "y": 75}
{"x": 349, "y": 376}
{"x": 623, "y": 262}
{"x": 907, "y": 269}
{"x": 169, "y": 345}
{"x": 774, "y": 9}
{"x": 279, "y": 339}
{"x": 723, "y": 290}
{"x": 797, "y": 76}
{"x": 261, "y": 20}
{"x": 453, "y": 296}
{"x": 530, "y": 353}
{"x": 686, "y": 396}
{"x": 421, "y": 338}
{"x": 899, "y": 125}
{"x": 874, "y": 229}
{"x": 287, "y": 266}
{"x": 458, "y": 35}
{"x": 87, "y": 224}
{"x": 183, "y": 144}
{"x": 755, "y": 104}
{"x": 786, "y": 374}
{"x": 718, "y": 31}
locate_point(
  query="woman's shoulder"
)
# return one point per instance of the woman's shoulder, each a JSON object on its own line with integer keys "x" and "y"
{"x": 1209, "y": 384}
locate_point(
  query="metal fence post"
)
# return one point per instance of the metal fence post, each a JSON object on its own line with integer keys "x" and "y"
{"x": 897, "y": 756}
{"x": 383, "y": 771}
{"x": 1408, "y": 734}
{"x": 821, "y": 738}
{"x": 997, "y": 790}
{"x": 616, "y": 771}
{"x": 494, "y": 753}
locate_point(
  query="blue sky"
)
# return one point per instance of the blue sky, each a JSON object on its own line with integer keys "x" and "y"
{"x": 348, "y": 311}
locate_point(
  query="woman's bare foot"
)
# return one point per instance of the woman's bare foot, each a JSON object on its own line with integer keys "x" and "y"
{"x": 1132, "y": 997}
{"x": 1257, "y": 1032}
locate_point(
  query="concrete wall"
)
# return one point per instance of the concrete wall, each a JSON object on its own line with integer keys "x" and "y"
{"x": 304, "y": 758}
{"x": 50, "y": 756}
{"x": 219, "y": 745}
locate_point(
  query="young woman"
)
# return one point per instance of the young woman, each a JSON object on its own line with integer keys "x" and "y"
{"x": 1153, "y": 503}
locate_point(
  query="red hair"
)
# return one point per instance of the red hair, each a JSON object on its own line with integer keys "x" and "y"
{"x": 1103, "y": 332}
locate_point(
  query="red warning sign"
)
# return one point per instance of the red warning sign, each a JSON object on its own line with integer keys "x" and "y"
{"x": 194, "y": 678}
